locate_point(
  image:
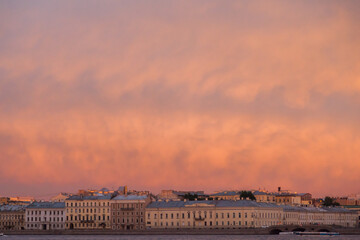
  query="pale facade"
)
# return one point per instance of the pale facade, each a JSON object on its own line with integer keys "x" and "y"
{"x": 88, "y": 212}
{"x": 128, "y": 212}
{"x": 12, "y": 217}
{"x": 45, "y": 216}
{"x": 221, "y": 214}
{"x": 319, "y": 216}
{"x": 225, "y": 214}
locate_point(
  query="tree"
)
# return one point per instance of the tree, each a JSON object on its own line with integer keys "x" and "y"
{"x": 190, "y": 196}
{"x": 328, "y": 201}
{"x": 247, "y": 195}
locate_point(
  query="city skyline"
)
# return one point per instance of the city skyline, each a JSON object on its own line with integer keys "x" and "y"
{"x": 188, "y": 95}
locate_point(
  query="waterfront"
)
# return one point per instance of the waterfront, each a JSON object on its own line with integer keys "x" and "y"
{"x": 175, "y": 237}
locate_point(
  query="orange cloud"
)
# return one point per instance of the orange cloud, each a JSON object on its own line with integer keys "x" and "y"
{"x": 200, "y": 95}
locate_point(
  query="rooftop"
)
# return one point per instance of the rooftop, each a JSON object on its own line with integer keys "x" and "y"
{"x": 129, "y": 197}
{"x": 98, "y": 197}
{"x": 216, "y": 203}
{"x": 47, "y": 205}
{"x": 12, "y": 208}
{"x": 226, "y": 193}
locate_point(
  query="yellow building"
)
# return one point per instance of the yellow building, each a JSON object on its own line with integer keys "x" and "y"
{"x": 88, "y": 212}
{"x": 264, "y": 197}
{"x": 288, "y": 199}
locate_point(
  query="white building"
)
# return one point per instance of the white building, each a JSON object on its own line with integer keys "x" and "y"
{"x": 45, "y": 216}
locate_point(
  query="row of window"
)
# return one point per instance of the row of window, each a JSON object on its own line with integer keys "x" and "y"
{"x": 87, "y": 217}
{"x": 39, "y": 225}
{"x": 7, "y": 217}
{"x": 44, "y": 219}
{"x": 127, "y": 205}
{"x": 86, "y": 225}
{"x": 197, "y": 215}
{"x": 206, "y": 223}
{"x": 127, "y": 213}
{"x": 87, "y": 210}
{"x": 39, "y": 212}
{"x": 9, "y": 223}
{"x": 87, "y": 204}
{"x": 120, "y": 227}
{"x": 127, "y": 220}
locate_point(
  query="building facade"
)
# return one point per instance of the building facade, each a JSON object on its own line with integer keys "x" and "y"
{"x": 288, "y": 199}
{"x": 226, "y": 195}
{"x": 319, "y": 216}
{"x": 45, "y": 216}
{"x": 12, "y": 217}
{"x": 128, "y": 212}
{"x": 222, "y": 214}
{"x": 226, "y": 214}
{"x": 264, "y": 197}
{"x": 88, "y": 212}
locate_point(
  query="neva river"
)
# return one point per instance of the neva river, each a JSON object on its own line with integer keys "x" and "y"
{"x": 175, "y": 237}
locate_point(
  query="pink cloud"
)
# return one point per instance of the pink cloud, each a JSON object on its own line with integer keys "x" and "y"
{"x": 202, "y": 95}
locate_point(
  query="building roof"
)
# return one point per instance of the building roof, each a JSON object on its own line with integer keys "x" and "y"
{"x": 216, "y": 203}
{"x": 183, "y": 193}
{"x": 80, "y": 198}
{"x": 243, "y": 203}
{"x": 226, "y": 193}
{"x": 12, "y": 208}
{"x": 288, "y": 208}
{"x": 129, "y": 197}
{"x": 260, "y": 193}
{"x": 47, "y": 205}
{"x": 303, "y": 194}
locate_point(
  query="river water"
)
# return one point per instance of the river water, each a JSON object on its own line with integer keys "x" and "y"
{"x": 174, "y": 237}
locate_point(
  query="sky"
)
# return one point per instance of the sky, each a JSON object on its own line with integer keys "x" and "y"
{"x": 187, "y": 95}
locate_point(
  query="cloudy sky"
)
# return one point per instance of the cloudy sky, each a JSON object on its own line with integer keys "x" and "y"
{"x": 187, "y": 95}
